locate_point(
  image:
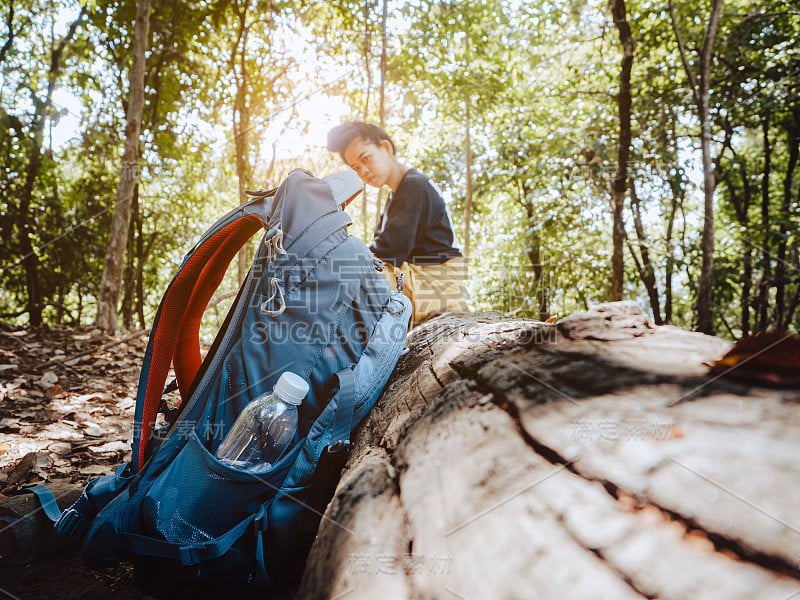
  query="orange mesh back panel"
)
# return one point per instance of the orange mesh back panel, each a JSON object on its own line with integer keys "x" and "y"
{"x": 180, "y": 314}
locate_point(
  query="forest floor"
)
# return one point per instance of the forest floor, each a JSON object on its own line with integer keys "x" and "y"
{"x": 67, "y": 400}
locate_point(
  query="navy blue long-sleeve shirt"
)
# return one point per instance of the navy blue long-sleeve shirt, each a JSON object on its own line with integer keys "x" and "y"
{"x": 415, "y": 226}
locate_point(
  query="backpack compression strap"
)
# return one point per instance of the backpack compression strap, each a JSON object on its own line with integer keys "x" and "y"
{"x": 175, "y": 335}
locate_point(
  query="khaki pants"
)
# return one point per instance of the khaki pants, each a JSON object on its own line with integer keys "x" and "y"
{"x": 432, "y": 289}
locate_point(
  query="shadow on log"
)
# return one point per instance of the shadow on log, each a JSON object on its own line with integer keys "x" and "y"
{"x": 592, "y": 459}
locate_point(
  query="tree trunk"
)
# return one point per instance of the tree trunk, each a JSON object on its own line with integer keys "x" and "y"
{"x": 141, "y": 258}
{"x": 677, "y": 196}
{"x": 384, "y": 50}
{"x": 367, "y": 48}
{"x": 592, "y": 459}
{"x": 540, "y": 288}
{"x": 131, "y": 260}
{"x": 241, "y": 121}
{"x": 781, "y": 279}
{"x": 367, "y": 55}
{"x": 384, "y": 66}
{"x": 766, "y": 281}
{"x": 30, "y": 260}
{"x": 470, "y": 185}
{"x": 740, "y": 200}
{"x": 619, "y": 185}
{"x": 533, "y": 239}
{"x": 647, "y": 272}
{"x": 702, "y": 92}
{"x": 115, "y": 253}
{"x": 676, "y": 199}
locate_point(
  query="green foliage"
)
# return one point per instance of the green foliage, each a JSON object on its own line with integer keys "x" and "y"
{"x": 758, "y": 110}
{"x": 38, "y": 48}
{"x": 540, "y": 81}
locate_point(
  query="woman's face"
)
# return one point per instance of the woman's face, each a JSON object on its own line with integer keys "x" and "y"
{"x": 371, "y": 162}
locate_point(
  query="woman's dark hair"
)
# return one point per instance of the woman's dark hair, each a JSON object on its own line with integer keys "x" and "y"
{"x": 340, "y": 137}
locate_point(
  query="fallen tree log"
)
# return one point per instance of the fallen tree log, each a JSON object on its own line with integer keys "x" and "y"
{"x": 596, "y": 458}
{"x": 26, "y": 533}
{"x": 592, "y": 459}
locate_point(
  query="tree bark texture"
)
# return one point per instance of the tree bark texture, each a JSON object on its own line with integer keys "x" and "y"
{"x": 111, "y": 282}
{"x": 596, "y": 458}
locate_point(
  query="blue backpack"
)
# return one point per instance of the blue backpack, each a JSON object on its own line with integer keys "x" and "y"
{"x": 313, "y": 303}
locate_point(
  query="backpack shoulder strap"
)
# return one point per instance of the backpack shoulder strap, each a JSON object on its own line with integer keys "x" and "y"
{"x": 175, "y": 334}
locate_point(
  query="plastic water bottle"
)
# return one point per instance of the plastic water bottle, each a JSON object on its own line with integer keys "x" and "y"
{"x": 266, "y": 426}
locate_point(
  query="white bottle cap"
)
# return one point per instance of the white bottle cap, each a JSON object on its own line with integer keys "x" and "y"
{"x": 291, "y": 388}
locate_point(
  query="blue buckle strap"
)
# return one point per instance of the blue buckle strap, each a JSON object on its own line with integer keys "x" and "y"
{"x": 323, "y": 228}
{"x": 47, "y": 499}
{"x": 343, "y": 420}
{"x": 192, "y": 554}
{"x": 260, "y": 519}
{"x": 260, "y": 526}
{"x": 340, "y": 446}
{"x": 71, "y": 523}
